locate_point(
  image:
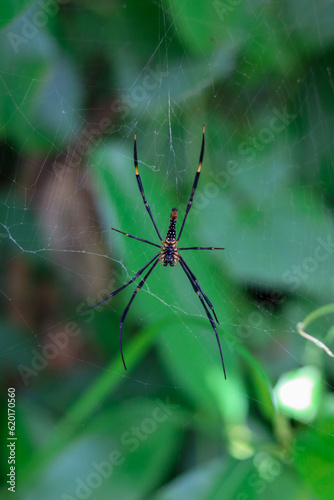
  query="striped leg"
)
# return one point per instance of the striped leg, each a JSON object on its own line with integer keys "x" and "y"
{"x": 129, "y": 304}
{"x": 199, "y": 288}
{"x": 141, "y": 189}
{"x": 195, "y": 184}
{"x": 122, "y": 287}
{"x": 135, "y": 238}
{"x": 202, "y": 248}
{"x": 197, "y": 291}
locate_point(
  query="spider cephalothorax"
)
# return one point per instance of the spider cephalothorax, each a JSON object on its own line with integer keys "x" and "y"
{"x": 168, "y": 255}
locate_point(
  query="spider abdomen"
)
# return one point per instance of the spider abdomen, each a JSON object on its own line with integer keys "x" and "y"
{"x": 169, "y": 252}
{"x": 171, "y": 233}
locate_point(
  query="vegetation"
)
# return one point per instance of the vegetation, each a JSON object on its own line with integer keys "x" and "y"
{"x": 78, "y": 79}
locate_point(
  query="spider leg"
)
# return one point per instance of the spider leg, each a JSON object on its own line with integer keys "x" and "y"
{"x": 135, "y": 238}
{"x": 201, "y": 248}
{"x": 141, "y": 189}
{"x": 122, "y": 287}
{"x": 198, "y": 292}
{"x": 194, "y": 185}
{"x": 199, "y": 288}
{"x": 129, "y": 304}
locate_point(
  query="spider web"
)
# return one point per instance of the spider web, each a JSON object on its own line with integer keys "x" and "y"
{"x": 265, "y": 191}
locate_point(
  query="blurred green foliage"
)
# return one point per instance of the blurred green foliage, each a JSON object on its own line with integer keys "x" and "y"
{"x": 77, "y": 80}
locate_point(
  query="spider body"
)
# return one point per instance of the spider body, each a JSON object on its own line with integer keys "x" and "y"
{"x": 169, "y": 254}
{"x": 171, "y": 233}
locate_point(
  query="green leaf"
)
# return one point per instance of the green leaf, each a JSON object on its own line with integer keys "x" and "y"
{"x": 84, "y": 407}
{"x": 203, "y": 26}
{"x": 137, "y": 439}
{"x": 264, "y": 476}
{"x": 261, "y": 382}
{"x": 312, "y": 27}
{"x": 304, "y": 259}
{"x": 299, "y": 393}
{"x": 189, "y": 349}
{"x": 9, "y": 11}
{"x": 40, "y": 94}
{"x": 199, "y": 483}
{"x": 314, "y": 459}
{"x": 315, "y": 121}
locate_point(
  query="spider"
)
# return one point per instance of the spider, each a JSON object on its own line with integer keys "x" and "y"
{"x": 169, "y": 254}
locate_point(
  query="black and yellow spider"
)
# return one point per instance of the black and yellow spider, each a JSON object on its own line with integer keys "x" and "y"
{"x": 168, "y": 254}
